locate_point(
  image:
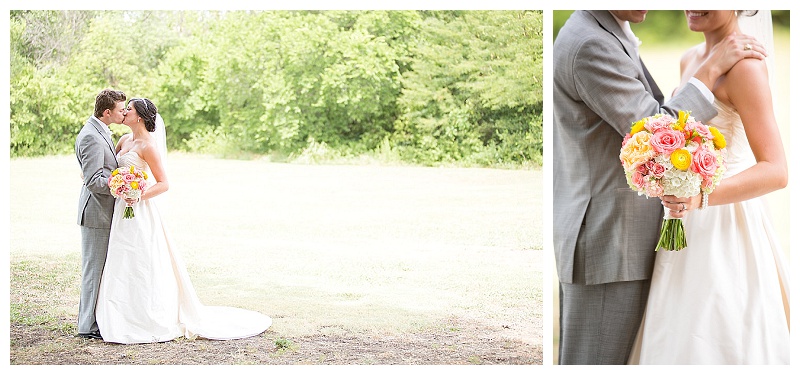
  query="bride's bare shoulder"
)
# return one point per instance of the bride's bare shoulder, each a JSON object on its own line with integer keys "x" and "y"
{"x": 746, "y": 78}
{"x": 123, "y": 140}
{"x": 692, "y": 56}
{"x": 750, "y": 69}
{"x": 148, "y": 148}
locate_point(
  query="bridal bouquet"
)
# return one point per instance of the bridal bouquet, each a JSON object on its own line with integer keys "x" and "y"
{"x": 667, "y": 156}
{"x": 127, "y": 183}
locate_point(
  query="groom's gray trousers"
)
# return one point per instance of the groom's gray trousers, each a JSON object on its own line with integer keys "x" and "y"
{"x": 94, "y": 247}
{"x": 598, "y": 323}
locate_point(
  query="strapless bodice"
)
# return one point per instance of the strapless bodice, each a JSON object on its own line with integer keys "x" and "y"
{"x": 131, "y": 158}
{"x": 739, "y": 155}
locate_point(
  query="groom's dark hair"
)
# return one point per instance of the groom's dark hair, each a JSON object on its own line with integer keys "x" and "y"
{"x": 147, "y": 111}
{"x": 107, "y": 99}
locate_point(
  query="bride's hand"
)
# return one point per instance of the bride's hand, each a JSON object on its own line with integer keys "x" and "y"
{"x": 725, "y": 54}
{"x": 679, "y": 207}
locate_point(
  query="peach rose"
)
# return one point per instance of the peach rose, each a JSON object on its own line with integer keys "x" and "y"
{"x": 637, "y": 151}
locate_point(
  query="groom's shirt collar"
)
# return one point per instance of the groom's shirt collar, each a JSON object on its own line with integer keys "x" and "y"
{"x": 626, "y": 29}
{"x": 103, "y": 124}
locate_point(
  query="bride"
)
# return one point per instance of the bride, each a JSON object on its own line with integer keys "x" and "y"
{"x": 145, "y": 292}
{"x": 725, "y": 298}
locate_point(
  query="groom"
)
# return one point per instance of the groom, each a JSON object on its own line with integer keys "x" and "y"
{"x": 96, "y": 155}
{"x": 604, "y": 233}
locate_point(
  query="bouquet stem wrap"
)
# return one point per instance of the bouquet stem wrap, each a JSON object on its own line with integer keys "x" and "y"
{"x": 673, "y": 236}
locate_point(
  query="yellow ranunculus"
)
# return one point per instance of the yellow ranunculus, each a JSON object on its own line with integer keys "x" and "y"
{"x": 134, "y": 185}
{"x": 637, "y": 126}
{"x": 133, "y": 169}
{"x": 719, "y": 139}
{"x": 115, "y": 172}
{"x": 681, "y": 159}
{"x": 144, "y": 174}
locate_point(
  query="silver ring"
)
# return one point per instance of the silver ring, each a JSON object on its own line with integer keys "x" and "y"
{"x": 748, "y": 47}
{"x": 684, "y": 207}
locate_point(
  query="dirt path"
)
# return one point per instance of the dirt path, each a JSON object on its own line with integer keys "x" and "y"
{"x": 473, "y": 345}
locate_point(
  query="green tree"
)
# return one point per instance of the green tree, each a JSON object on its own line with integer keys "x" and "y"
{"x": 475, "y": 86}
{"x": 432, "y": 86}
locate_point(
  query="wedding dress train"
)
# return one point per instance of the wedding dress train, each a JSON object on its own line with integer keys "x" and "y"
{"x": 724, "y": 299}
{"x": 145, "y": 291}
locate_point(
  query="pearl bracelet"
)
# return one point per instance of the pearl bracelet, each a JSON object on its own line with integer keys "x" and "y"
{"x": 705, "y": 201}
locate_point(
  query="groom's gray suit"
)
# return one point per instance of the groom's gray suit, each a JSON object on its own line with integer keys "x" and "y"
{"x": 604, "y": 234}
{"x": 96, "y": 157}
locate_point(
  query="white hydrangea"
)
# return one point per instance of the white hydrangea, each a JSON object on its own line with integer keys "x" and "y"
{"x": 681, "y": 183}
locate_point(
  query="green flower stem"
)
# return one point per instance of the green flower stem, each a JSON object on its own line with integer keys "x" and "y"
{"x": 673, "y": 236}
{"x": 128, "y": 213}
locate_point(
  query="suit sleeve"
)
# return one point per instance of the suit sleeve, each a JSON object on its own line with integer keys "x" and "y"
{"x": 95, "y": 175}
{"x": 606, "y": 79}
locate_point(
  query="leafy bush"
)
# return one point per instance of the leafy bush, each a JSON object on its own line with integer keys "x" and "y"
{"x": 424, "y": 87}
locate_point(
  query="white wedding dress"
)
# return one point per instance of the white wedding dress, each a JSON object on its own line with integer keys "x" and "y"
{"x": 145, "y": 292}
{"x": 723, "y": 299}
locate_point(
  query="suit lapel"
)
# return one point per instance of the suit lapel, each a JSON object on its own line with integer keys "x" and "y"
{"x": 101, "y": 129}
{"x": 653, "y": 86}
{"x": 609, "y": 23}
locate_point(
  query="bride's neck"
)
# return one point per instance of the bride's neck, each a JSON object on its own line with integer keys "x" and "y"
{"x": 716, "y": 36}
{"x": 140, "y": 132}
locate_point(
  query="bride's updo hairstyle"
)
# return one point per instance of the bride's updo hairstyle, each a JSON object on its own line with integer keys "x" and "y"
{"x": 147, "y": 111}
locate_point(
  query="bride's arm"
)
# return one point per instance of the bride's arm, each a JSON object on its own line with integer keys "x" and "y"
{"x": 151, "y": 156}
{"x": 747, "y": 89}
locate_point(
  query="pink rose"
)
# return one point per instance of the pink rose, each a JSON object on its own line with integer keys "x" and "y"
{"x": 704, "y": 162}
{"x": 654, "y": 189}
{"x": 708, "y": 182}
{"x": 701, "y": 129}
{"x": 129, "y": 177}
{"x": 656, "y": 170}
{"x": 656, "y": 124}
{"x": 665, "y": 141}
{"x": 638, "y": 180}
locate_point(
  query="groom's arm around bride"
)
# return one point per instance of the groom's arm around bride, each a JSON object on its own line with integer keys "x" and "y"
{"x": 604, "y": 234}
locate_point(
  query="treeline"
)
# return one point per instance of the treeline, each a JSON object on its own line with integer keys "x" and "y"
{"x": 423, "y": 87}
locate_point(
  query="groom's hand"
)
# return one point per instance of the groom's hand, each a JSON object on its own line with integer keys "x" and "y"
{"x": 679, "y": 207}
{"x": 725, "y": 54}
